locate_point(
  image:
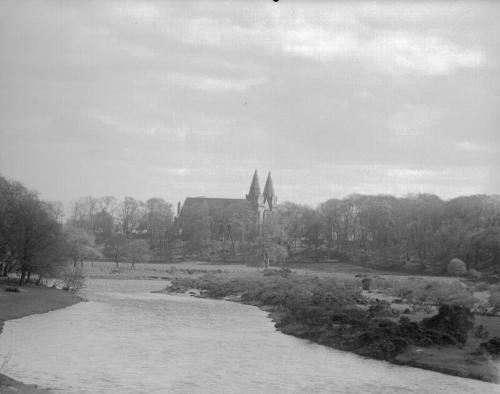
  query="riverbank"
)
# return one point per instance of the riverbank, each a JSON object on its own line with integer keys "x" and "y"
{"x": 392, "y": 295}
{"x": 338, "y": 314}
{"x": 29, "y": 300}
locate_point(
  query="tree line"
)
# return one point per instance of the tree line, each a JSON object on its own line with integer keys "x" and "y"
{"x": 420, "y": 232}
{"x": 129, "y": 230}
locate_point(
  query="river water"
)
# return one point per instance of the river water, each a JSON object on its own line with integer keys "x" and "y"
{"x": 129, "y": 340}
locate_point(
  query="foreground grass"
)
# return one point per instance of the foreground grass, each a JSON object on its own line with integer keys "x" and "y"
{"x": 28, "y": 301}
{"x": 11, "y": 386}
{"x": 338, "y": 314}
{"x": 32, "y": 299}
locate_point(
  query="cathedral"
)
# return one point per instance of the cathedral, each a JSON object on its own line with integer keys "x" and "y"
{"x": 263, "y": 204}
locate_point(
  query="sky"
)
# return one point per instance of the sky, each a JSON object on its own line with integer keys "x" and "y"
{"x": 176, "y": 99}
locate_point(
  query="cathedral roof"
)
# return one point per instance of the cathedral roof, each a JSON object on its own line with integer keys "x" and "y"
{"x": 208, "y": 205}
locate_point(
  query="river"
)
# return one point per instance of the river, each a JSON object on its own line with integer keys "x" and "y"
{"x": 129, "y": 340}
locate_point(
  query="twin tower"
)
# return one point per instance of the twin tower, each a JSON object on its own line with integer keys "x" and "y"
{"x": 265, "y": 203}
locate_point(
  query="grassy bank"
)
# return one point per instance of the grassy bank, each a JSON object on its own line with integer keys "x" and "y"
{"x": 27, "y": 301}
{"x": 337, "y": 313}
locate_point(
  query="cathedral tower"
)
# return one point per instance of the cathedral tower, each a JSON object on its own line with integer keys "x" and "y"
{"x": 254, "y": 192}
{"x": 269, "y": 197}
{"x": 264, "y": 203}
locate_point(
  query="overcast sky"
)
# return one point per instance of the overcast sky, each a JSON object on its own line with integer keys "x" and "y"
{"x": 186, "y": 99}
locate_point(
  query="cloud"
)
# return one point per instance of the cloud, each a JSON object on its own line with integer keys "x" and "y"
{"x": 413, "y": 121}
{"x": 212, "y": 84}
{"x": 327, "y": 95}
{"x": 101, "y": 43}
{"x": 340, "y": 32}
{"x": 135, "y": 11}
{"x": 468, "y": 146}
{"x": 205, "y": 31}
{"x": 393, "y": 52}
{"x": 178, "y": 132}
{"x": 404, "y": 52}
{"x": 446, "y": 181}
{"x": 174, "y": 171}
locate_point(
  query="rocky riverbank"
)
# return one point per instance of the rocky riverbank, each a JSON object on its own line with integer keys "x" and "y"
{"x": 18, "y": 302}
{"x": 336, "y": 314}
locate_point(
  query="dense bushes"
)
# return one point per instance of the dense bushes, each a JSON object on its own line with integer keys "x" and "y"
{"x": 417, "y": 290}
{"x": 491, "y": 347}
{"x": 454, "y": 320}
{"x": 351, "y": 328}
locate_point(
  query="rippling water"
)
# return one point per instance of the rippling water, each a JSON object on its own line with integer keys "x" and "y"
{"x": 128, "y": 340}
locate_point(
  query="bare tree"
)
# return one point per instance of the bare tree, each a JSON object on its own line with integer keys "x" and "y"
{"x": 80, "y": 244}
{"x": 136, "y": 251}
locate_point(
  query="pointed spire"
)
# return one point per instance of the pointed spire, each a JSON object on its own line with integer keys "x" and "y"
{"x": 254, "y": 192}
{"x": 269, "y": 190}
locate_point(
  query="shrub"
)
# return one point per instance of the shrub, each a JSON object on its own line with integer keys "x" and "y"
{"x": 452, "y": 320}
{"x": 418, "y": 291}
{"x": 480, "y": 332}
{"x": 12, "y": 289}
{"x": 456, "y": 267}
{"x": 339, "y": 255}
{"x": 474, "y": 274}
{"x": 380, "y": 309}
{"x": 366, "y": 283}
{"x": 283, "y": 272}
{"x": 491, "y": 347}
{"x": 72, "y": 279}
{"x": 494, "y": 300}
{"x": 461, "y": 297}
{"x": 481, "y": 286}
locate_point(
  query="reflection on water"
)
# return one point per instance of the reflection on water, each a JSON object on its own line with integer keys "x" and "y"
{"x": 128, "y": 340}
